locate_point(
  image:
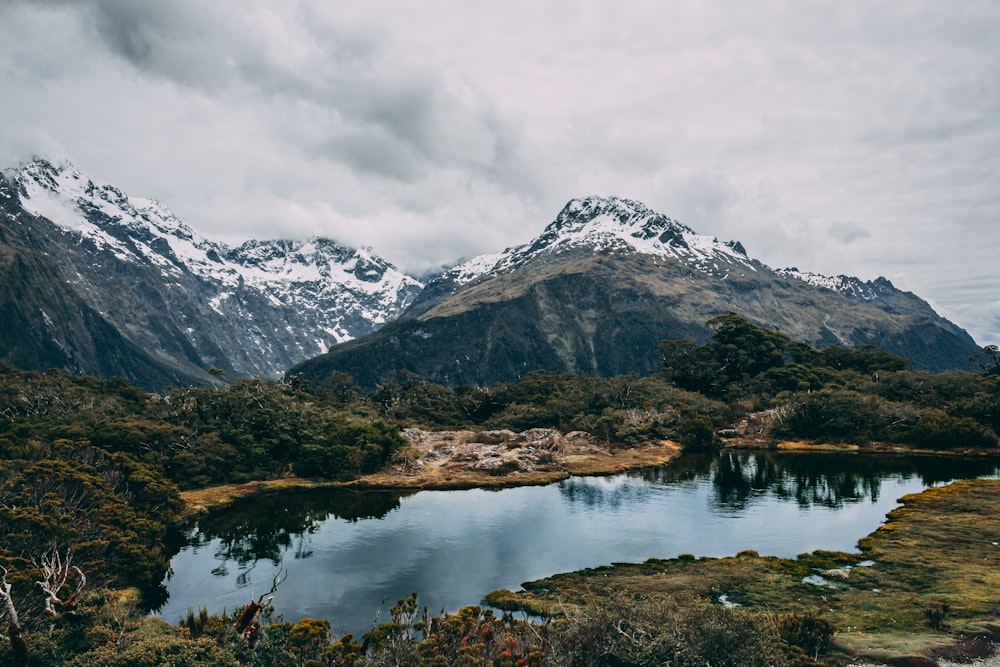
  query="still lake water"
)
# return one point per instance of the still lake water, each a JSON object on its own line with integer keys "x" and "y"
{"x": 347, "y": 551}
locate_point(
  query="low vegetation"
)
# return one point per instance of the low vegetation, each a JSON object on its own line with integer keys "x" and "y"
{"x": 928, "y": 575}
{"x": 95, "y": 470}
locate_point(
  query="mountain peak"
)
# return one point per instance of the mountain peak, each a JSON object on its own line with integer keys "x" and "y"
{"x": 625, "y": 211}
{"x": 278, "y": 301}
{"x": 594, "y": 205}
{"x": 41, "y": 173}
{"x": 613, "y": 221}
{"x": 616, "y": 225}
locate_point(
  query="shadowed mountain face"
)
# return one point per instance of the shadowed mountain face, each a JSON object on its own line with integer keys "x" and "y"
{"x": 95, "y": 281}
{"x": 603, "y": 284}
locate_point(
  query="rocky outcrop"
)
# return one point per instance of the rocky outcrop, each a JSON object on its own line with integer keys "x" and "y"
{"x": 497, "y": 453}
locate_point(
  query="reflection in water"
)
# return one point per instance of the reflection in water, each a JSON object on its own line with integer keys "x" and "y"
{"x": 818, "y": 479}
{"x": 593, "y": 492}
{"x": 346, "y": 551}
{"x": 265, "y": 527}
{"x": 808, "y": 481}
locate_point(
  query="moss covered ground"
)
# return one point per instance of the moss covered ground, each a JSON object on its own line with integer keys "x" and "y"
{"x": 922, "y": 585}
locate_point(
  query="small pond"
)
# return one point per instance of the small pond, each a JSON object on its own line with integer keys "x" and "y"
{"x": 347, "y": 551}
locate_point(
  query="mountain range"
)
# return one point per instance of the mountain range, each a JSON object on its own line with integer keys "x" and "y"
{"x": 604, "y": 283}
{"x": 96, "y": 281}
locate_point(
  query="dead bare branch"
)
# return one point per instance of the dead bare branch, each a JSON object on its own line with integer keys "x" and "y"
{"x": 247, "y": 625}
{"x": 18, "y": 647}
{"x": 56, "y": 571}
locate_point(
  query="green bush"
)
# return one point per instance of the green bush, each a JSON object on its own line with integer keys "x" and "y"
{"x": 811, "y": 634}
{"x": 159, "y": 651}
{"x": 834, "y": 415}
{"x": 938, "y": 430}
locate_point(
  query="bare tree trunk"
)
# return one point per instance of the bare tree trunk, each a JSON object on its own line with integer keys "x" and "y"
{"x": 17, "y": 644}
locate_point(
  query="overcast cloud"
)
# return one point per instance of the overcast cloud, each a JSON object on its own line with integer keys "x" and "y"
{"x": 839, "y": 137}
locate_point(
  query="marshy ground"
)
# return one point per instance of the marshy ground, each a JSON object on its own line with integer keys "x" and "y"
{"x": 924, "y": 586}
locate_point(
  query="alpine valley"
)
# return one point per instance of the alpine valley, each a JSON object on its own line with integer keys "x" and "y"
{"x": 95, "y": 281}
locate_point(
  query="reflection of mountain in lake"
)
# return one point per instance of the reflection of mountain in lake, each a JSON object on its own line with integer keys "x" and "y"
{"x": 737, "y": 478}
{"x": 262, "y": 528}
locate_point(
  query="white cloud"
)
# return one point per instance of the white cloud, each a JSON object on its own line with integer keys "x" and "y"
{"x": 851, "y": 138}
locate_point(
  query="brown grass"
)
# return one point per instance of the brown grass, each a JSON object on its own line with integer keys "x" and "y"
{"x": 199, "y": 501}
{"x": 939, "y": 548}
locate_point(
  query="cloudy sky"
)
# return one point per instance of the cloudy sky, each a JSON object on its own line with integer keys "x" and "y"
{"x": 839, "y": 137}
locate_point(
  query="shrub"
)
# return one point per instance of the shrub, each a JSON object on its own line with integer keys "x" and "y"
{"x": 833, "y": 415}
{"x": 938, "y": 430}
{"x": 810, "y": 633}
{"x": 695, "y": 431}
{"x": 309, "y": 637}
{"x": 936, "y": 616}
{"x": 157, "y": 652}
{"x": 640, "y": 631}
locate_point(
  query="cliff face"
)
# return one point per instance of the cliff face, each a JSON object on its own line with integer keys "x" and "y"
{"x": 98, "y": 282}
{"x": 45, "y": 324}
{"x": 608, "y": 280}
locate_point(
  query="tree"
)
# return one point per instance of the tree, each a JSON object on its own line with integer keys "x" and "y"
{"x": 732, "y": 363}
{"x": 746, "y": 350}
{"x": 991, "y": 364}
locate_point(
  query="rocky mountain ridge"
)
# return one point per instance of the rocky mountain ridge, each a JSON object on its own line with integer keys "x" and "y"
{"x": 100, "y": 282}
{"x": 604, "y": 283}
{"x": 597, "y": 225}
{"x": 189, "y": 304}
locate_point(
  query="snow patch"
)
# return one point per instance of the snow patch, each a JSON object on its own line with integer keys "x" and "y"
{"x": 612, "y": 225}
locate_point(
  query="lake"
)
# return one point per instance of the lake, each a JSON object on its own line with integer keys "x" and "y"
{"x": 347, "y": 551}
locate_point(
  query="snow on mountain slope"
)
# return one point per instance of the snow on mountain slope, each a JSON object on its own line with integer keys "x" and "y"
{"x": 596, "y": 225}
{"x": 623, "y": 225}
{"x": 316, "y": 274}
{"x": 854, "y": 288}
{"x": 195, "y": 304}
{"x": 612, "y": 224}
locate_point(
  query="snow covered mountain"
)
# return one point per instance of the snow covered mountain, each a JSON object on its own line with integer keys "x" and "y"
{"x": 192, "y": 304}
{"x": 104, "y": 283}
{"x": 607, "y": 280}
{"x": 855, "y": 288}
{"x": 611, "y": 224}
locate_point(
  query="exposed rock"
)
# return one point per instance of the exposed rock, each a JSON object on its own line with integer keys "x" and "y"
{"x": 495, "y": 452}
{"x": 836, "y": 574}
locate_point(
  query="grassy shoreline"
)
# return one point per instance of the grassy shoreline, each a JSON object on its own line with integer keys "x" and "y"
{"x": 937, "y": 553}
{"x": 199, "y": 501}
{"x": 925, "y": 584}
